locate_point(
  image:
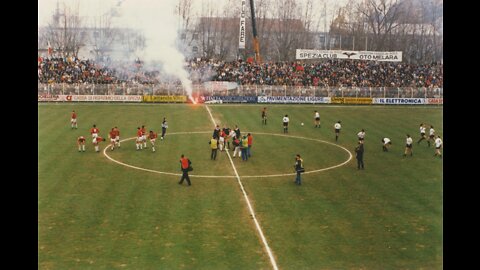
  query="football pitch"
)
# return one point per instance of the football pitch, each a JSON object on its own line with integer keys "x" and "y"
{"x": 123, "y": 209}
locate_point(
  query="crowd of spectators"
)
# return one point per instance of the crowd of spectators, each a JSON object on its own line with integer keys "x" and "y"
{"x": 331, "y": 73}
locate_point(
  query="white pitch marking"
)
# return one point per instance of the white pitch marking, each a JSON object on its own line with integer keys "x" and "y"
{"x": 233, "y": 176}
{"x": 250, "y": 208}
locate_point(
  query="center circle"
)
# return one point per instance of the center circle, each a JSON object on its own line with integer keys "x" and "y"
{"x": 350, "y": 156}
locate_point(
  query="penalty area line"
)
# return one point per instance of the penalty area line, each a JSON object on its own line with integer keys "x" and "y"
{"x": 250, "y": 208}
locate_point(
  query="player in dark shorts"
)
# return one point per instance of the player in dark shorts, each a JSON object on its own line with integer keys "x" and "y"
{"x": 264, "y": 116}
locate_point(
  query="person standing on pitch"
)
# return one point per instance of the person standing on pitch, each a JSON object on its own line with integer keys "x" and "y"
{"x": 244, "y": 148}
{"x": 112, "y": 135}
{"x": 164, "y": 128}
{"x": 153, "y": 137}
{"x": 226, "y": 130}
{"x": 238, "y": 134}
{"x": 73, "y": 120}
{"x": 337, "y": 127}
{"x": 144, "y": 136}
{"x": 250, "y": 142}
{"x": 422, "y": 133}
{"x": 317, "y": 119}
{"x": 236, "y": 146}
{"x": 264, "y": 116}
{"x": 216, "y": 131}
{"x": 359, "y": 155}
{"x": 299, "y": 169}
{"x": 408, "y": 146}
{"x": 285, "y": 123}
{"x": 117, "y": 137}
{"x": 184, "y": 165}
{"x": 386, "y": 143}
{"x": 81, "y": 143}
{"x": 438, "y": 146}
{"x": 214, "y": 145}
{"x": 361, "y": 135}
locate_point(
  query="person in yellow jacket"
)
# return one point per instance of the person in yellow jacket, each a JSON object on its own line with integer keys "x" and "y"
{"x": 214, "y": 145}
{"x": 244, "y": 148}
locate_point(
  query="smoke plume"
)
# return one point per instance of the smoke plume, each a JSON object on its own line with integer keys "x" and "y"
{"x": 159, "y": 24}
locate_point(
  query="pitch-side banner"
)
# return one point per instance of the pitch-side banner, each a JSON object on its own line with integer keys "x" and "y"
{"x": 164, "y": 99}
{"x": 357, "y": 55}
{"x": 91, "y": 98}
{"x": 399, "y": 101}
{"x": 241, "y": 36}
{"x": 284, "y": 99}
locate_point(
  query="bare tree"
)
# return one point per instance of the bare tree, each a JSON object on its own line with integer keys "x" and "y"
{"x": 64, "y": 32}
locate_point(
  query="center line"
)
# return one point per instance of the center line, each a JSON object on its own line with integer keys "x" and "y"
{"x": 250, "y": 208}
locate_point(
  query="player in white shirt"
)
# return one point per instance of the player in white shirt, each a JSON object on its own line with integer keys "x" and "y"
{"x": 431, "y": 135}
{"x": 386, "y": 143}
{"x": 361, "y": 136}
{"x": 285, "y": 123}
{"x": 422, "y": 133}
{"x": 317, "y": 119}
{"x": 408, "y": 146}
{"x": 337, "y": 127}
{"x": 438, "y": 146}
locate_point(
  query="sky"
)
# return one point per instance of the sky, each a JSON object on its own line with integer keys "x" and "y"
{"x": 99, "y": 7}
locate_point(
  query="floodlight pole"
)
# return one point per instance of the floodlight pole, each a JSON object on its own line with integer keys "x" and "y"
{"x": 256, "y": 44}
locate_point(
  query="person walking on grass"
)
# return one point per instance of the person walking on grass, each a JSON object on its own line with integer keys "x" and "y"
{"x": 408, "y": 146}
{"x": 298, "y": 169}
{"x": 337, "y": 128}
{"x": 359, "y": 155}
{"x": 317, "y": 119}
{"x": 184, "y": 166}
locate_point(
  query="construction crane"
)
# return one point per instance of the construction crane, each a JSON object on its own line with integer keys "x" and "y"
{"x": 256, "y": 44}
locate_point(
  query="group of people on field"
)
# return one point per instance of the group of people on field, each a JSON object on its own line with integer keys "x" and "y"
{"x": 242, "y": 145}
{"x": 221, "y": 138}
{"x": 114, "y": 135}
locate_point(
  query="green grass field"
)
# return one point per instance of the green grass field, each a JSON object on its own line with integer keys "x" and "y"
{"x": 96, "y": 214}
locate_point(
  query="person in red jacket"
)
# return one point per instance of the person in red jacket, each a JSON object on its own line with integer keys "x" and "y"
{"x": 184, "y": 165}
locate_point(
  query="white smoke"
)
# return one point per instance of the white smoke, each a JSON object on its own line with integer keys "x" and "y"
{"x": 159, "y": 24}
